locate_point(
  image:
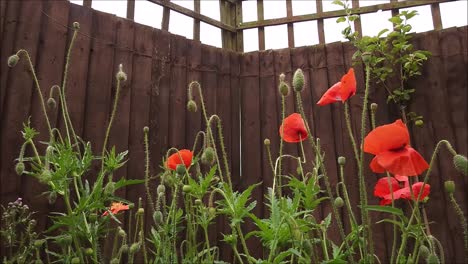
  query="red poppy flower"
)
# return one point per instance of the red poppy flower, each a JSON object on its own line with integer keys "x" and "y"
{"x": 390, "y": 144}
{"x": 406, "y": 193}
{"x": 382, "y": 189}
{"x": 175, "y": 159}
{"x": 341, "y": 90}
{"x": 293, "y": 129}
{"x": 116, "y": 207}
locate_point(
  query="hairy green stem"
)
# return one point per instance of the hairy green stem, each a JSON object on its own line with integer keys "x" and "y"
{"x": 350, "y": 132}
{"x": 463, "y": 223}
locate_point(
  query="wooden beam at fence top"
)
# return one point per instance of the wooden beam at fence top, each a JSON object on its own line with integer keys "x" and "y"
{"x": 436, "y": 18}
{"x": 192, "y": 14}
{"x": 357, "y": 22}
{"x": 131, "y": 9}
{"x": 196, "y": 22}
{"x": 320, "y": 25}
{"x": 261, "y": 30}
{"x": 289, "y": 13}
{"x": 87, "y": 3}
{"x": 165, "y": 19}
{"x": 338, "y": 13}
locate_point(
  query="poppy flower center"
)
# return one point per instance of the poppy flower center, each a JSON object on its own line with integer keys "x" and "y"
{"x": 399, "y": 148}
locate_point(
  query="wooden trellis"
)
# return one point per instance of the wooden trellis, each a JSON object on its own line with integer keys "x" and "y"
{"x": 232, "y": 25}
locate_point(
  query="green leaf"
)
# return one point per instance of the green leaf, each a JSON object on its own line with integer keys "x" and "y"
{"x": 338, "y": 2}
{"x": 384, "y": 209}
{"x": 124, "y": 182}
{"x": 382, "y": 32}
{"x": 341, "y": 19}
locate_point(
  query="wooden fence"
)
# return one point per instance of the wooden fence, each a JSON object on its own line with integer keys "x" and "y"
{"x": 240, "y": 88}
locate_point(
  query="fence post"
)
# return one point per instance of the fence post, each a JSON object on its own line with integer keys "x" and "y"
{"x": 87, "y": 3}
{"x": 320, "y": 26}
{"x": 261, "y": 30}
{"x": 131, "y": 9}
{"x": 289, "y": 13}
{"x": 436, "y": 18}
{"x": 165, "y": 19}
{"x": 196, "y": 22}
{"x": 357, "y": 22}
{"x": 239, "y": 32}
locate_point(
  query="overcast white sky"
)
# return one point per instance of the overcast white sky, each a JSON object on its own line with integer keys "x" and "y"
{"x": 305, "y": 33}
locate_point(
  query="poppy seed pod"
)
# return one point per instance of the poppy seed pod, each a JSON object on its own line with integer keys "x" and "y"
{"x": 449, "y": 186}
{"x": 284, "y": 89}
{"x": 157, "y": 217}
{"x": 461, "y": 164}
{"x": 192, "y": 106}
{"x": 374, "y": 107}
{"x": 339, "y": 202}
{"x": 266, "y": 142}
{"x": 161, "y": 188}
{"x": 341, "y": 160}
{"x": 198, "y": 202}
{"x": 208, "y": 156}
{"x": 298, "y": 80}
{"x": 76, "y": 25}
{"x": 432, "y": 259}
{"x": 145, "y": 129}
{"x": 19, "y": 168}
{"x": 419, "y": 123}
{"x": 13, "y": 60}
{"x": 187, "y": 188}
{"x": 180, "y": 169}
{"x": 424, "y": 251}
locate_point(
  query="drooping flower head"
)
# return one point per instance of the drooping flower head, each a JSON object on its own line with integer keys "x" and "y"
{"x": 175, "y": 159}
{"x": 341, "y": 90}
{"x": 387, "y": 188}
{"x": 390, "y": 145}
{"x": 293, "y": 129}
{"x": 116, "y": 207}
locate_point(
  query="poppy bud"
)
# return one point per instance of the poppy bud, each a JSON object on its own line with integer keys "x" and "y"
{"x": 124, "y": 249}
{"x": 140, "y": 211}
{"x": 266, "y": 142}
{"x": 122, "y": 232}
{"x": 215, "y": 179}
{"x": 19, "y": 168}
{"x": 212, "y": 211}
{"x": 432, "y": 259}
{"x": 366, "y": 57}
{"x": 194, "y": 85}
{"x": 339, "y": 202}
{"x": 230, "y": 239}
{"x": 88, "y": 251}
{"x": 45, "y": 176}
{"x": 299, "y": 170}
{"x": 374, "y": 107}
{"x": 461, "y": 164}
{"x": 341, "y": 160}
{"x": 161, "y": 189}
{"x": 419, "y": 123}
{"x": 157, "y": 217}
{"x": 13, "y": 60}
{"x": 121, "y": 75}
{"x": 192, "y": 106}
{"x": 39, "y": 243}
{"x": 449, "y": 186}
{"x": 208, "y": 156}
{"x": 52, "y": 197}
{"x": 198, "y": 202}
{"x": 187, "y": 188}
{"x": 134, "y": 248}
{"x": 298, "y": 80}
{"x": 51, "y": 103}
{"x": 180, "y": 169}
{"x": 145, "y": 129}
{"x": 75, "y": 260}
{"x": 115, "y": 261}
{"x": 281, "y": 77}
{"x": 424, "y": 251}
{"x": 110, "y": 188}
{"x": 76, "y": 25}
{"x": 284, "y": 89}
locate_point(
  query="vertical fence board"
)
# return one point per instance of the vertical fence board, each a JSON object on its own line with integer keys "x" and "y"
{"x": 194, "y": 120}
{"x": 235, "y": 117}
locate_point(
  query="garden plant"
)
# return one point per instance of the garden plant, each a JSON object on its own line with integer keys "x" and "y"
{"x": 194, "y": 185}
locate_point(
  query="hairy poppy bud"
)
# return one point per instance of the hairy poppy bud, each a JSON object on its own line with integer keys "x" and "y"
{"x": 52, "y": 197}
{"x": 374, "y": 107}
{"x": 298, "y": 80}
{"x": 230, "y": 239}
{"x": 366, "y": 57}
{"x": 341, "y": 160}
{"x": 192, "y": 106}
{"x": 75, "y": 260}
{"x": 212, "y": 211}
{"x": 194, "y": 85}
{"x": 110, "y": 188}
{"x": 284, "y": 89}
{"x": 187, "y": 188}
{"x": 19, "y": 168}
{"x": 266, "y": 142}
{"x": 208, "y": 156}
{"x": 145, "y": 129}
{"x": 449, "y": 186}
{"x": 419, "y": 123}
{"x": 121, "y": 75}
{"x": 122, "y": 232}
{"x": 281, "y": 77}
{"x": 461, "y": 164}
{"x": 51, "y": 103}
{"x": 161, "y": 189}
{"x": 339, "y": 202}
{"x": 424, "y": 251}
{"x": 157, "y": 217}
{"x": 45, "y": 176}
{"x": 140, "y": 211}
{"x": 198, "y": 202}
{"x": 299, "y": 170}
{"x": 76, "y": 25}
{"x": 124, "y": 248}
{"x": 180, "y": 169}
{"x": 89, "y": 251}
{"x": 134, "y": 248}
{"x": 39, "y": 243}
{"x": 13, "y": 60}
{"x": 432, "y": 259}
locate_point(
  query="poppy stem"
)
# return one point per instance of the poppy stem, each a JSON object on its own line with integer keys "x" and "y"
{"x": 463, "y": 222}
{"x": 147, "y": 178}
{"x": 278, "y": 172}
{"x": 350, "y": 132}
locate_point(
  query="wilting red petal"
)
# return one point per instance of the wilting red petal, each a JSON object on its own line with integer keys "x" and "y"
{"x": 382, "y": 187}
{"x": 348, "y": 85}
{"x": 387, "y": 137}
{"x": 116, "y": 207}
{"x": 331, "y": 95}
{"x": 416, "y": 190}
{"x": 293, "y": 129}
{"x": 406, "y": 161}
{"x": 401, "y": 178}
{"x": 175, "y": 160}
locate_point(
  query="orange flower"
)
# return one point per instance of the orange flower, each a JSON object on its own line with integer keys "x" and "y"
{"x": 341, "y": 90}
{"x": 390, "y": 145}
{"x": 175, "y": 160}
{"x": 293, "y": 129}
{"x": 116, "y": 207}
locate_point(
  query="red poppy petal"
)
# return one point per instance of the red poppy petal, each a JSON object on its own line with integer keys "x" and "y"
{"x": 293, "y": 129}
{"x": 348, "y": 87}
{"x": 382, "y": 187}
{"x": 401, "y": 178}
{"x": 332, "y": 95}
{"x": 175, "y": 159}
{"x": 404, "y": 162}
{"x": 416, "y": 190}
{"x": 387, "y": 137}
{"x": 375, "y": 167}
{"x": 385, "y": 202}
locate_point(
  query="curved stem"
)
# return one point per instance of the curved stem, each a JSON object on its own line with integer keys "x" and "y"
{"x": 350, "y": 132}
{"x": 463, "y": 222}
{"x": 114, "y": 110}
